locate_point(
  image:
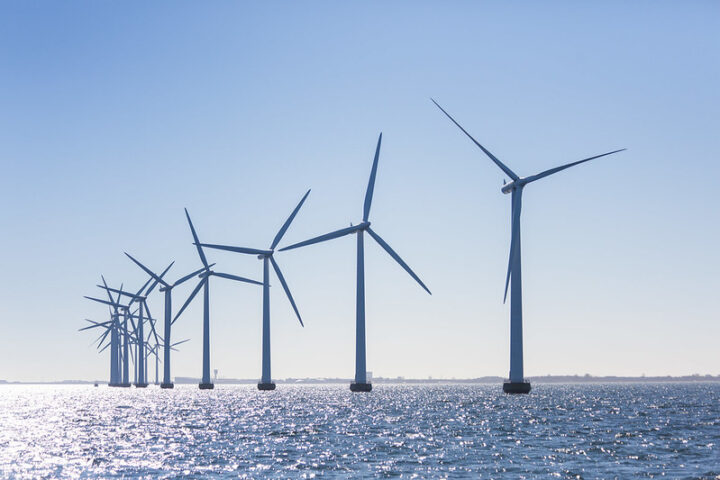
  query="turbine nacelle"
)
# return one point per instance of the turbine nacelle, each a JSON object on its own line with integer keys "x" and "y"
{"x": 510, "y": 186}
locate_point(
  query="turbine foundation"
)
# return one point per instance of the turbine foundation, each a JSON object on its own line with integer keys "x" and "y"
{"x": 123, "y": 385}
{"x": 360, "y": 387}
{"x": 206, "y": 386}
{"x": 141, "y": 385}
{"x": 167, "y": 385}
{"x": 266, "y": 386}
{"x": 516, "y": 387}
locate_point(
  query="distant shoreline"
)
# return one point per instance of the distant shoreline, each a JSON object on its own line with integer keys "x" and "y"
{"x": 548, "y": 379}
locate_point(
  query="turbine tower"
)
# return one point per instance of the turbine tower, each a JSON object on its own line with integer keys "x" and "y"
{"x": 266, "y": 256}
{"x": 513, "y": 279}
{"x": 167, "y": 289}
{"x": 361, "y": 383}
{"x": 206, "y": 383}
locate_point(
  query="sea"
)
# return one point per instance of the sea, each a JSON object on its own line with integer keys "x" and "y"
{"x": 573, "y": 431}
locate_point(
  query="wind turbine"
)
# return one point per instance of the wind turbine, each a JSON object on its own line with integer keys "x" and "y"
{"x": 167, "y": 288}
{"x": 121, "y": 327}
{"x": 516, "y": 382}
{"x": 266, "y": 256}
{"x": 206, "y": 382}
{"x": 115, "y": 345}
{"x": 141, "y": 299}
{"x": 137, "y": 332}
{"x": 361, "y": 384}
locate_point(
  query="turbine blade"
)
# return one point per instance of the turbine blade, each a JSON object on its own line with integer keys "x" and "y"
{"x": 514, "y": 235}
{"x": 197, "y": 240}
{"x": 139, "y": 292}
{"x": 147, "y": 270}
{"x": 133, "y": 327}
{"x": 371, "y": 182}
{"x": 106, "y": 287}
{"x": 397, "y": 258}
{"x": 94, "y": 325}
{"x": 502, "y": 166}
{"x": 162, "y": 275}
{"x": 148, "y": 316}
{"x": 285, "y": 287}
{"x": 119, "y": 291}
{"x": 103, "y": 337}
{"x": 151, "y": 320}
{"x": 287, "y": 223}
{"x": 551, "y": 171}
{"x": 249, "y": 251}
{"x": 191, "y": 275}
{"x": 235, "y": 277}
{"x": 189, "y": 299}
{"x": 105, "y": 302}
{"x": 328, "y": 236}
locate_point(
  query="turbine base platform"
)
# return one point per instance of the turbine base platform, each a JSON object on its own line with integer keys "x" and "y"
{"x": 123, "y": 385}
{"x": 141, "y": 385}
{"x": 360, "y": 387}
{"x": 167, "y": 385}
{"x": 266, "y": 386}
{"x": 207, "y": 386}
{"x": 516, "y": 387}
{"x": 113, "y": 385}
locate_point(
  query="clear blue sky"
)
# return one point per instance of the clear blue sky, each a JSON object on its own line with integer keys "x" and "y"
{"x": 115, "y": 116}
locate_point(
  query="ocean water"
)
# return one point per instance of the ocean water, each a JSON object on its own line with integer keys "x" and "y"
{"x": 440, "y": 431}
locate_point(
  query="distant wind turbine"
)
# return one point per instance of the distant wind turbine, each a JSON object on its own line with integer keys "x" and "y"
{"x": 517, "y": 383}
{"x": 115, "y": 342}
{"x": 206, "y": 382}
{"x": 167, "y": 288}
{"x": 119, "y": 329}
{"x": 141, "y": 300}
{"x": 266, "y": 256}
{"x": 361, "y": 384}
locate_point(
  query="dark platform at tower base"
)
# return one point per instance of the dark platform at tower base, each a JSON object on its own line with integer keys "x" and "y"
{"x": 141, "y": 385}
{"x": 113, "y": 385}
{"x": 266, "y": 386}
{"x": 360, "y": 387}
{"x": 123, "y": 385}
{"x": 167, "y": 385}
{"x": 207, "y": 386}
{"x": 516, "y": 387}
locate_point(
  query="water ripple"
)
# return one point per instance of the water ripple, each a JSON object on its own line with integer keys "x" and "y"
{"x": 558, "y": 431}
